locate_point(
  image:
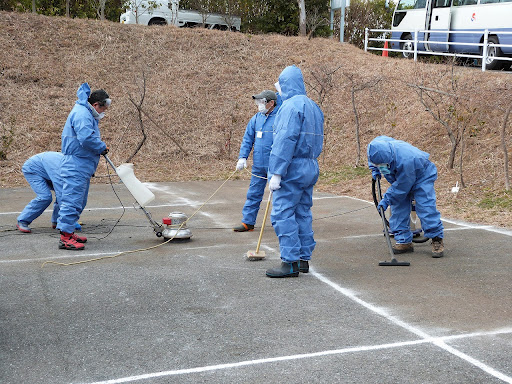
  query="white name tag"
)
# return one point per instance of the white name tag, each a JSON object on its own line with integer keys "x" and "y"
{"x": 259, "y": 134}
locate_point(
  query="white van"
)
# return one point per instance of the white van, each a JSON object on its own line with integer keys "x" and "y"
{"x": 162, "y": 12}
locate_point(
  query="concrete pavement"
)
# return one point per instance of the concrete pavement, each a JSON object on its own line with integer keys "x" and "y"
{"x": 197, "y": 311}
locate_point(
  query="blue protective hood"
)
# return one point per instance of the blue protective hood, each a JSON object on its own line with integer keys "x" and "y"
{"x": 291, "y": 82}
{"x": 380, "y": 150}
{"x": 82, "y": 94}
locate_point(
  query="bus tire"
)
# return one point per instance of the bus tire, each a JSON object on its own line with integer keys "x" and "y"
{"x": 493, "y": 52}
{"x": 407, "y": 47}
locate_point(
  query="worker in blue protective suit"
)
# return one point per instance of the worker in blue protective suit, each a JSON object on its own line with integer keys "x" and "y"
{"x": 42, "y": 171}
{"x": 81, "y": 147}
{"x": 412, "y": 176}
{"x": 293, "y": 171}
{"x": 257, "y": 138}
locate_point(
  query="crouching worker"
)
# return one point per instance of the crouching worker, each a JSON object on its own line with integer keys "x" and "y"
{"x": 412, "y": 176}
{"x": 258, "y": 139}
{"x": 42, "y": 172}
{"x": 81, "y": 147}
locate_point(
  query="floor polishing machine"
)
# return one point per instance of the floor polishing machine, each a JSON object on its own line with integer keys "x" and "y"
{"x": 173, "y": 227}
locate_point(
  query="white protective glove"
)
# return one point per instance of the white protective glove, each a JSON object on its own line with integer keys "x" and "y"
{"x": 242, "y": 163}
{"x": 275, "y": 182}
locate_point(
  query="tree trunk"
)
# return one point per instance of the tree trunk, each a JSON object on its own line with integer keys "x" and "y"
{"x": 504, "y": 144}
{"x": 34, "y": 6}
{"x": 358, "y": 140}
{"x": 67, "y": 8}
{"x": 102, "y": 9}
{"x": 302, "y": 17}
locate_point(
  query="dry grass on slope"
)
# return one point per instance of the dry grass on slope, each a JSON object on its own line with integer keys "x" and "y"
{"x": 198, "y": 88}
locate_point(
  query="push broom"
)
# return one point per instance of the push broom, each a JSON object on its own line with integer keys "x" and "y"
{"x": 257, "y": 254}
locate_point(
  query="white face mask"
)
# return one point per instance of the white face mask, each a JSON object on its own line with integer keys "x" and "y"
{"x": 278, "y": 87}
{"x": 100, "y": 116}
{"x": 262, "y": 109}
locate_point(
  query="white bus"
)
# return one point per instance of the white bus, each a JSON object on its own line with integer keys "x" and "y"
{"x": 441, "y": 19}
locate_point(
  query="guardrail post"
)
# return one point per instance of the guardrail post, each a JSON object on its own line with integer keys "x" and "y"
{"x": 416, "y": 45}
{"x": 484, "y": 49}
{"x": 366, "y": 39}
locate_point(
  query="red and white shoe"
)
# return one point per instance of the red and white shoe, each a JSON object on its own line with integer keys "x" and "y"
{"x": 68, "y": 241}
{"x": 80, "y": 239}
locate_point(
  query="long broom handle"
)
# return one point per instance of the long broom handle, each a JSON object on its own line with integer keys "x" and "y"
{"x": 264, "y": 221}
{"x": 384, "y": 224}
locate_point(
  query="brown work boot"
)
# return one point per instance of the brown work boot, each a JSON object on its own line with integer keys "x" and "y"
{"x": 437, "y": 247}
{"x": 402, "y": 248}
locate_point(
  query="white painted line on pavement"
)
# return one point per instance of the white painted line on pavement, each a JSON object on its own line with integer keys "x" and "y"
{"x": 74, "y": 255}
{"x": 434, "y": 340}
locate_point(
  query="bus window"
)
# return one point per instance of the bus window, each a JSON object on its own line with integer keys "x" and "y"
{"x": 406, "y": 4}
{"x": 442, "y": 3}
{"x": 467, "y": 2}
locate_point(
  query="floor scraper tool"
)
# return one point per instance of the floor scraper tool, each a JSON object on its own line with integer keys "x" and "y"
{"x": 257, "y": 254}
{"x": 394, "y": 261}
{"x": 173, "y": 226}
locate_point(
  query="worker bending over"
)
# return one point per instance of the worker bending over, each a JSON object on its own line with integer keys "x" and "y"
{"x": 412, "y": 176}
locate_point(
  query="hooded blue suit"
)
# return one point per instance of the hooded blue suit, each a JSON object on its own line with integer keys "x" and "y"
{"x": 258, "y": 137}
{"x": 81, "y": 147}
{"x": 412, "y": 176}
{"x": 298, "y": 141}
{"x": 42, "y": 171}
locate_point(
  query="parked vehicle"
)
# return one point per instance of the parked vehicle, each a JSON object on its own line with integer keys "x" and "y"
{"x": 162, "y": 12}
{"x": 440, "y": 22}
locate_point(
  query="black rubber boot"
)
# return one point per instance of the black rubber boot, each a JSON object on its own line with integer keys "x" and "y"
{"x": 304, "y": 266}
{"x": 285, "y": 270}
{"x": 244, "y": 228}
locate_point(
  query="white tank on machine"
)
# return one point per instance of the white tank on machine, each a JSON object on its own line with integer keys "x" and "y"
{"x": 139, "y": 191}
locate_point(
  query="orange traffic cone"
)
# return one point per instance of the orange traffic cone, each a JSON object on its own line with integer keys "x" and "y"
{"x": 385, "y": 51}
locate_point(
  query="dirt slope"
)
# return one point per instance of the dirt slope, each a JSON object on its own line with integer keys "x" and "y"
{"x": 198, "y": 87}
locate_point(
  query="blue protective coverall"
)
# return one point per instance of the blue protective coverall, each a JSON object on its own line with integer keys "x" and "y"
{"x": 412, "y": 176}
{"x": 42, "y": 171}
{"x": 258, "y": 137}
{"x": 81, "y": 147}
{"x": 298, "y": 141}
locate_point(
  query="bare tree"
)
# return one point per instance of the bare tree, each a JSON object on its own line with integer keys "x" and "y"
{"x": 504, "y": 144}
{"x": 141, "y": 112}
{"x": 356, "y": 85}
{"x": 315, "y": 20}
{"x": 138, "y": 7}
{"x": 138, "y": 105}
{"x": 446, "y": 103}
{"x": 229, "y": 11}
{"x": 302, "y": 17}
{"x": 99, "y": 5}
{"x": 324, "y": 84}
